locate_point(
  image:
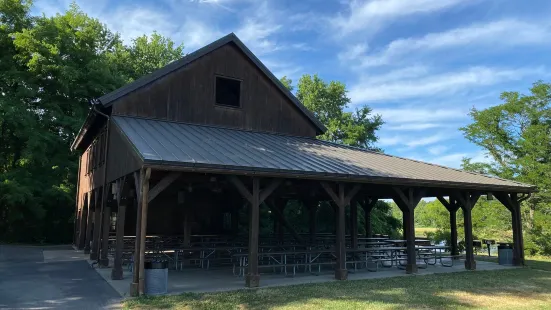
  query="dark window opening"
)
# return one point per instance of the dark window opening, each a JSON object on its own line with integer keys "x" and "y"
{"x": 228, "y": 91}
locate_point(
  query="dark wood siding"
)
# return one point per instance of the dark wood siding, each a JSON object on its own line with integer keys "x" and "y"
{"x": 122, "y": 159}
{"x": 188, "y": 95}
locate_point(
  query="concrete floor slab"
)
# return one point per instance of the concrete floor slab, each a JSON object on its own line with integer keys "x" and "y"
{"x": 27, "y": 281}
{"x": 222, "y": 279}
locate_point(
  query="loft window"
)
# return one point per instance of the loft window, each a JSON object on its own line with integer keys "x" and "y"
{"x": 228, "y": 92}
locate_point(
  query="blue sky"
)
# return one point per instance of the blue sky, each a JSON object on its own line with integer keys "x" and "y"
{"x": 421, "y": 64}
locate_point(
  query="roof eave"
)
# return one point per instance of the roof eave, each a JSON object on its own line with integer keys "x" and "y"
{"x": 225, "y": 169}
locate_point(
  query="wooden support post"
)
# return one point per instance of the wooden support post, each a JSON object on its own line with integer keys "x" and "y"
{"x": 253, "y": 275}
{"x": 89, "y": 222}
{"x": 407, "y": 200}
{"x": 405, "y": 225}
{"x": 467, "y": 202}
{"x": 279, "y": 213}
{"x": 354, "y": 223}
{"x": 143, "y": 228}
{"x": 252, "y": 279}
{"x": 512, "y": 202}
{"x": 81, "y": 242}
{"x": 368, "y": 205}
{"x": 106, "y": 227}
{"x": 187, "y": 225}
{"x": 134, "y": 289}
{"x": 312, "y": 211}
{"x": 94, "y": 251}
{"x": 452, "y": 206}
{"x": 235, "y": 220}
{"x": 341, "y": 200}
{"x": 116, "y": 272}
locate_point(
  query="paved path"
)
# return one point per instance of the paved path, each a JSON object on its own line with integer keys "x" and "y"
{"x": 26, "y": 281}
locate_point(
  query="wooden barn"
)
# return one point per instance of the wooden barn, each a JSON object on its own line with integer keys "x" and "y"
{"x": 169, "y": 161}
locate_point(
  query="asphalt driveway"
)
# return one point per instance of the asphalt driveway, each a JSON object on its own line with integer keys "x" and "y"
{"x": 26, "y": 281}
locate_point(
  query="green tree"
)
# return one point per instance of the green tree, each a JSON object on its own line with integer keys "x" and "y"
{"x": 328, "y": 102}
{"x": 51, "y": 68}
{"x": 517, "y": 136}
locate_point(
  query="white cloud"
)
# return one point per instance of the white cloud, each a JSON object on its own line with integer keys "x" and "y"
{"x": 495, "y": 34}
{"x": 428, "y": 140}
{"x": 413, "y": 126}
{"x": 372, "y": 89}
{"x": 353, "y": 52}
{"x": 405, "y": 115}
{"x": 413, "y": 141}
{"x": 453, "y": 160}
{"x": 196, "y": 34}
{"x": 438, "y": 149}
{"x": 369, "y": 16}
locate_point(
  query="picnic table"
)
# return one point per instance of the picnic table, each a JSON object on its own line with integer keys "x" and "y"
{"x": 275, "y": 259}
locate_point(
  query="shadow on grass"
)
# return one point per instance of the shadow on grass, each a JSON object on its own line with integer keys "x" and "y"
{"x": 439, "y": 291}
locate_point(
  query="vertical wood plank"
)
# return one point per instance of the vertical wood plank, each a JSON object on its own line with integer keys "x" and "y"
{"x": 106, "y": 227}
{"x": 116, "y": 272}
{"x": 94, "y": 255}
{"x": 89, "y": 224}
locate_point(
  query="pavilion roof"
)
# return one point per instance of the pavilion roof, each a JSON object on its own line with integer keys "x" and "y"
{"x": 217, "y": 149}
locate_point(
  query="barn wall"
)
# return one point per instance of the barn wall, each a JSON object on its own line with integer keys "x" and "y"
{"x": 188, "y": 95}
{"x": 122, "y": 159}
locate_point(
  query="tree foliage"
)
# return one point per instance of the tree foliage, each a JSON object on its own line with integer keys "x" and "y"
{"x": 51, "y": 67}
{"x": 517, "y": 136}
{"x": 328, "y": 102}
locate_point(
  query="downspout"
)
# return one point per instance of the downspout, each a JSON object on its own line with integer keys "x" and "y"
{"x": 77, "y": 218}
{"x": 94, "y": 102}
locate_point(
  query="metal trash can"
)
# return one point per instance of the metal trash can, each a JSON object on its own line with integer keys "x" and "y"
{"x": 156, "y": 278}
{"x": 505, "y": 253}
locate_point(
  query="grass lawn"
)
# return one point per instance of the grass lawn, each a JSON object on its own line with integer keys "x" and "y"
{"x": 422, "y": 231}
{"x": 526, "y": 288}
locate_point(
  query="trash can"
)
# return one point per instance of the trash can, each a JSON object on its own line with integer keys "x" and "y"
{"x": 505, "y": 253}
{"x": 156, "y": 278}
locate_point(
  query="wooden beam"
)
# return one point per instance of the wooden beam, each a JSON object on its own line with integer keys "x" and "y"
{"x": 134, "y": 289}
{"x": 281, "y": 218}
{"x": 351, "y": 194}
{"x": 331, "y": 193}
{"x": 269, "y": 190}
{"x": 252, "y": 279}
{"x": 143, "y": 229}
{"x": 241, "y": 188}
{"x": 340, "y": 270}
{"x": 163, "y": 184}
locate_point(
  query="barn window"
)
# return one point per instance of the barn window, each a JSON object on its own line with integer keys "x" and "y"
{"x": 228, "y": 92}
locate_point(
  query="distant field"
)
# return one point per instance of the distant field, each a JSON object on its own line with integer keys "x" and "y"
{"x": 422, "y": 231}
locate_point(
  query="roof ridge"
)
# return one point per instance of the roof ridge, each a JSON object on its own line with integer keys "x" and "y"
{"x": 426, "y": 163}
{"x": 108, "y": 99}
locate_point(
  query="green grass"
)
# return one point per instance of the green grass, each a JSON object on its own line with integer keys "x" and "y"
{"x": 525, "y": 288}
{"x": 422, "y": 231}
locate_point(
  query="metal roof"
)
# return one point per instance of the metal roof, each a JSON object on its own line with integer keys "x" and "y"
{"x": 107, "y": 100}
{"x": 198, "y": 146}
